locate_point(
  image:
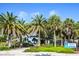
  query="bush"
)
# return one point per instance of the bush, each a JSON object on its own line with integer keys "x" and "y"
{"x": 15, "y": 44}
{"x": 3, "y": 44}
{"x": 4, "y": 48}
{"x": 27, "y": 44}
{"x": 47, "y": 45}
{"x": 50, "y": 49}
{"x": 2, "y": 38}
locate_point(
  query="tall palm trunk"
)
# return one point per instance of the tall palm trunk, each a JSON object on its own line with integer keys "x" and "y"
{"x": 20, "y": 40}
{"x": 2, "y": 30}
{"x": 78, "y": 43}
{"x": 54, "y": 39}
{"x": 61, "y": 42}
{"x": 61, "y": 39}
{"x": 39, "y": 38}
{"x": 8, "y": 41}
{"x": 8, "y": 37}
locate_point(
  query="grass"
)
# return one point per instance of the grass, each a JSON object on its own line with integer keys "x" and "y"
{"x": 50, "y": 49}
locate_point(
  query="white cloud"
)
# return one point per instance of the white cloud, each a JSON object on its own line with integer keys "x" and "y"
{"x": 35, "y": 13}
{"x": 53, "y": 12}
{"x": 27, "y": 16}
{"x": 22, "y": 14}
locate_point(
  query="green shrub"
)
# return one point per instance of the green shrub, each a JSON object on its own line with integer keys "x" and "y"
{"x": 15, "y": 44}
{"x": 47, "y": 45}
{"x": 4, "y": 48}
{"x": 50, "y": 49}
{"x": 2, "y": 38}
{"x": 3, "y": 44}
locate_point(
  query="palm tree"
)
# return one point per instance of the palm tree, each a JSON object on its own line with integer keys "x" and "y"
{"x": 38, "y": 26}
{"x": 10, "y": 26}
{"x": 7, "y": 21}
{"x": 76, "y": 30}
{"x": 23, "y": 32}
{"x": 69, "y": 25}
{"x": 54, "y": 22}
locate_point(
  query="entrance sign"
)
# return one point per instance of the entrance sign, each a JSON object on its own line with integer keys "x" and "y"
{"x": 70, "y": 45}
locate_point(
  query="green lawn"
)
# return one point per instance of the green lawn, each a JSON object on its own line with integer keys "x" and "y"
{"x": 50, "y": 49}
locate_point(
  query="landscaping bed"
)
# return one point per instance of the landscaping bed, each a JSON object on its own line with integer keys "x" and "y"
{"x": 50, "y": 49}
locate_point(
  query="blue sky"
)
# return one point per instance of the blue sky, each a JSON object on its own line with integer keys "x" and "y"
{"x": 28, "y": 10}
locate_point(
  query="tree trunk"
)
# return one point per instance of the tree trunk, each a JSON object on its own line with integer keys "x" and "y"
{"x": 8, "y": 36}
{"x": 2, "y": 30}
{"x": 54, "y": 39}
{"x": 48, "y": 42}
{"x": 78, "y": 43}
{"x": 39, "y": 39}
{"x": 21, "y": 41}
{"x": 61, "y": 42}
{"x": 61, "y": 38}
{"x": 8, "y": 41}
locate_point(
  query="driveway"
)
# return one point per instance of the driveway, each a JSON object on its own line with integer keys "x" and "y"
{"x": 17, "y": 51}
